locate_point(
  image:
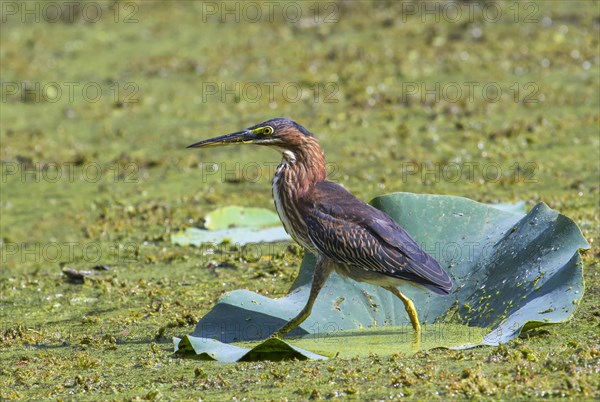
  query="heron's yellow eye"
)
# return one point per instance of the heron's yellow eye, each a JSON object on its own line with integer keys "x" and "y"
{"x": 268, "y": 130}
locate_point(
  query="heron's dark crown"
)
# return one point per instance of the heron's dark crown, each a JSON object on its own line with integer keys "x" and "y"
{"x": 281, "y": 124}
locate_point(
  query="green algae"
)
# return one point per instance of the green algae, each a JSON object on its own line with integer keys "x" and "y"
{"x": 110, "y": 337}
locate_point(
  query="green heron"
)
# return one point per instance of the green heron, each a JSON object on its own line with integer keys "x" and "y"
{"x": 346, "y": 235}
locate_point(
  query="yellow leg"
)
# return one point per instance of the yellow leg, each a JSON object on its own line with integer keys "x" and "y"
{"x": 322, "y": 271}
{"x": 410, "y": 308}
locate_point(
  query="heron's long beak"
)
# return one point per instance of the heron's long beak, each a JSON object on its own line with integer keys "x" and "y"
{"x": 241, "y": 137}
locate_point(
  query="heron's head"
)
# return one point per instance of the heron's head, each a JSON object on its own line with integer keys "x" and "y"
{"x": 279, "y": 132}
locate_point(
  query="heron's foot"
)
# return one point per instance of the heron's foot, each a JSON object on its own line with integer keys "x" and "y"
{"x": 416, "y": 341}
{"x": 292, "y": 324}
{"x": 280, "y": 333}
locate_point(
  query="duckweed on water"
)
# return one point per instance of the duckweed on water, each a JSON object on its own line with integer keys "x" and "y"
{"x": 110, "y": 336}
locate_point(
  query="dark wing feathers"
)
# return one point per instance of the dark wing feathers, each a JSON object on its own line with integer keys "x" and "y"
{"x": 351, "y": 231}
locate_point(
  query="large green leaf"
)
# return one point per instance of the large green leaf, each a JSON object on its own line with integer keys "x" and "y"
{"x": 270, "y": 349}
{"x": 239, "y": 236}
{"x": 511, "y": 272}
{"x": 239, "y": 225}
{"x": 240, "y": 217}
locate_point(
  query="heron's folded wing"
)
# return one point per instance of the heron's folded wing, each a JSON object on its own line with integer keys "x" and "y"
{"x": 350, "y": 231}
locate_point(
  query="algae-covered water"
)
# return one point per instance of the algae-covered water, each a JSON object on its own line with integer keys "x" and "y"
{"x": 497, "y": 102}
